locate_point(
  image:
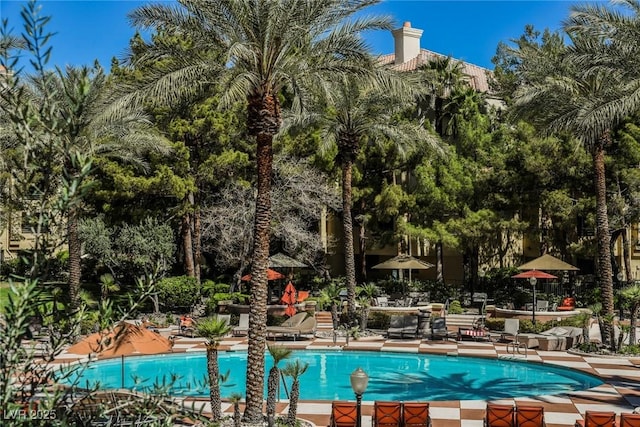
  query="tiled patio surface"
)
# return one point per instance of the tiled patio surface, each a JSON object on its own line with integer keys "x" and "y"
{"x": 620, "y": 393}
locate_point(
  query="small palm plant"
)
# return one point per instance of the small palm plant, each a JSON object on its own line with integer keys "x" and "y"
{"x": 294, "y": 370}
{"x": 278, "y": 353}
{"x": 331, "y": 295}
{"x": 235, "y": 399}
{"x": 213, "y": 329}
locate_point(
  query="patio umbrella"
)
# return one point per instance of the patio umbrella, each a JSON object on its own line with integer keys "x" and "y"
{"x": 403, "y": 262}
{"x": 271, "y": 275}
{"x": 289, "y": 298}
{"x": 125, "y": 339}
{"x": 548, "y": 263}
{"x": 533, "y": 276}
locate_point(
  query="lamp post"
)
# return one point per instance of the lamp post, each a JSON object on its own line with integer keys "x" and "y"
{"x": 533, "y": 282}
{"x": 359, "y": 381}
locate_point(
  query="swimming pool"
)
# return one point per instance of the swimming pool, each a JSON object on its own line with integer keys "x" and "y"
{"x": 392, "y": 376}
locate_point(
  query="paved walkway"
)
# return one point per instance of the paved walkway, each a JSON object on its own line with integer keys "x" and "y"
{"x": 620, "y": 393}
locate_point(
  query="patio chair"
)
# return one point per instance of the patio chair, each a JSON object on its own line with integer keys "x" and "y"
{"x": 511, "y": 330}
{"x": 386, "y": 414}
{"x": 542, "y": 305}
{"x": 499, "y": 415}
{"x": 628, "y": 419}
{"x": 597, "y": 419}
{"x": 529, "y": 416}
{"x": 343, "y": 414}
{"x": 416, "y": 414}
{"x": 243, "y": 325}
{"x": 568, "y": 304}
{"x": 439, "y": 328}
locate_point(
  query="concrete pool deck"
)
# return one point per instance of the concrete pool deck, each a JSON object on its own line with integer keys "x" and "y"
{"x": 619, "y": 393}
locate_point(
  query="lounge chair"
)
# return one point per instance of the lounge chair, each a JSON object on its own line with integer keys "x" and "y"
{"x": 597, "y": 419}
{"x": 243, "y": 325}
{"x": 499, "y": 415}
{"x": 386, "y": 414}
{"x": 396, "y": 324}
{"x": 529, "y": 416}
{"x": 439, "y": 328}
{"x": 557, "y": 338}
{"x": 343, "y": 414}
{"x": 415, "y": 414}
{"x": 290, "y": 326}
{"x": 542, "y": 305}
{"x": 629, "y": 420}
{"x": 308, "y": 326}
{"x": 410, "y": 329}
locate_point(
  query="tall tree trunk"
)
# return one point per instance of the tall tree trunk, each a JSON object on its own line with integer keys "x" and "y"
{"x": 363, "y": 242}
{"x": 272, "y": 391}
{"x": 347, "y": 229}
{"x": 603, "y": 237}
{"x": 626, "y": 254}
{"x": 75, "y": 256}
{"x": 214, "y": 382}
{"x": 197, "y": 246}
{"x": 439, "y": 262}
{"x": 187, "y": 244}
{"x": 263, "y": 121}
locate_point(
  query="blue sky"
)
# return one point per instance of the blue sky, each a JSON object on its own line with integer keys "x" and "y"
{"x": 469, "y": 30}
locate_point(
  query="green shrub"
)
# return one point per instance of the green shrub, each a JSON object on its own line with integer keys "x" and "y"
{"x": 209, "y": 288}
{"x": 378, "y": 320}
{"x": 179, "y": 291}
{"x": 455, "y": 307}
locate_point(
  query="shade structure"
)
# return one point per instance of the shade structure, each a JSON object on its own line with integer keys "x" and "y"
{"x": 548, "y": 263}
{"x": 403, "y": 262}
{"x": 125, "y": 339}
{"x": 534, "y": 273}
{"x": 271, "y": 275}
{"x": 281, "y": 260}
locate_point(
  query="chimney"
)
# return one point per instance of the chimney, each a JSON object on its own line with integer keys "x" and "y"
{"x": 407, "y": 42}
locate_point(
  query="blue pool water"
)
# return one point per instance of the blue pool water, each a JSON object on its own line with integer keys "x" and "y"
{"x": 393, "y": 376}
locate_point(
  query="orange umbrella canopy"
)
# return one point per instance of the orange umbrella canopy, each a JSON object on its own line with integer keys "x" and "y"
{"x": 534, "y": 273}
{"x": 289, "y": 295}
{"x": 271, "y": 275}
{"x": 125, "y": 339}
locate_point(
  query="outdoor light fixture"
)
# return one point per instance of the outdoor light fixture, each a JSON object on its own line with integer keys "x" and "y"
{"x": 359, "y": 381}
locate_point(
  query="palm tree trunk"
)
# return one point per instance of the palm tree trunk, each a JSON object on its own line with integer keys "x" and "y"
{"x": 603, "y": 237}
{"x": 347, "y": 229}
{"x": 197, "y": 246}
{"x": 263, "y": 121}
{"x": 187, "y": 244}
{"x": 439, "y": 262}
{"x": 214, "y": 383}
{"x": 272, "y": 390}
{"x": 293, "y": 403}
{"x": 75, "y": 254}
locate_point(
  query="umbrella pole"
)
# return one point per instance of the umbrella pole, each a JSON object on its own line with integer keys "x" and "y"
{"x": 534, "y": 306}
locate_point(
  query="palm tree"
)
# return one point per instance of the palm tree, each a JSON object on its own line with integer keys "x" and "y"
{"x": 268, "y": 46}
{"x": 330, "y": 294}
{"x": 361, "y": 111}
{"x": 294, "y": 370}
{"x": 235, "y": 399}
{"x": 278, "y": 353}
{"x": 85, "y": 128}
{"x": 590, "y": 90}
{"x": 631, "y": 294}
{"x": 213, "y": 329}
